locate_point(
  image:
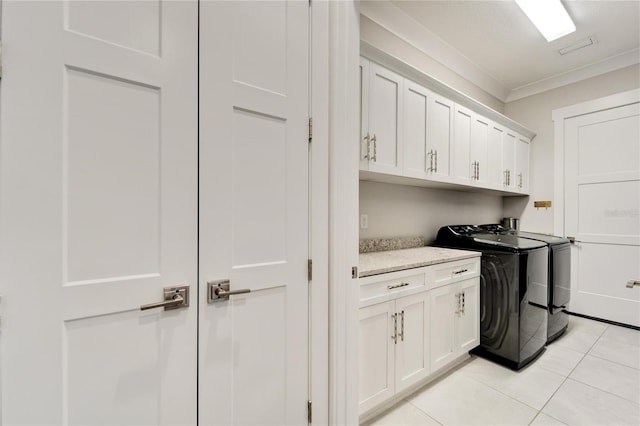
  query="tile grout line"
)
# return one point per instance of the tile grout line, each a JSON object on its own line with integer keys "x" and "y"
{"x": 570, "y": 372}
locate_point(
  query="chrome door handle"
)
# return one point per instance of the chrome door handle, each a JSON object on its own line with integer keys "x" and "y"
{"x": 368, "y": 154}
{"x": 631, "y": 283}
{"x": 218, "y": 291}
{"x": 430, "y": 157}
{"x": 477, "y": 170}
{"x": 174, "y": 298}
{"x": 395, "y": 328}
{"x": 436, "y": 161}
{"x": 573, "y": 240}
{"x": 375, "y": 147}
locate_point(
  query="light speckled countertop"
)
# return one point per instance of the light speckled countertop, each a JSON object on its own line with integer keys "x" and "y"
{"x": 397, "y": 260}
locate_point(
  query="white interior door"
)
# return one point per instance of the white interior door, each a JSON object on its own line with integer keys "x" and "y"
{"x": 602, "y": 187}
{"x": 253, "y": 350}
{"x": 98, "y": 187}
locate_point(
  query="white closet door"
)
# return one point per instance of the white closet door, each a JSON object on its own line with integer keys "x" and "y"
{"x": 602, "y": 190}
{"x": 98, "y": 211}
{"x": 253, "y": 357}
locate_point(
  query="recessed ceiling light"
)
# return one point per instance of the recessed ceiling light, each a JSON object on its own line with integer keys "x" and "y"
{"x": 549, "y": 16}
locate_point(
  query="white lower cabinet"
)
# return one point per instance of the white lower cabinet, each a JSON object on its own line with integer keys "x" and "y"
{"x": 455, "y": 321}
{"x": 394, "y": 348}
{"x": 405, "y": 339}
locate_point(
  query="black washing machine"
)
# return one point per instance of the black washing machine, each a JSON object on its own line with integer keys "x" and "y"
{"x": 513, "y": 331}
{"x": 559, "y": 277}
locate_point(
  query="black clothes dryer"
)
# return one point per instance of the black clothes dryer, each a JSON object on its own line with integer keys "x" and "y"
{"x": 559, "y": 277}
{"x": 513, "y": 331}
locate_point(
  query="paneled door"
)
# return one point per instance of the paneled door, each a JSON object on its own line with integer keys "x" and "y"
{"x": 602, "y": 190}
{"x": 98, "y": 172}
{"x": 253, "y": 351}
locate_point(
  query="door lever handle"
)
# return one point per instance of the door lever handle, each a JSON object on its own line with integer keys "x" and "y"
{"x": 573, "y": 240}
{"x": 174, "y": 298}
{"x": 218, "y": 291}
{"x": 631, "y": 283}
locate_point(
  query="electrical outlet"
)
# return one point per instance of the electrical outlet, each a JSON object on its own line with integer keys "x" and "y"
{"x": 364, "y": 221}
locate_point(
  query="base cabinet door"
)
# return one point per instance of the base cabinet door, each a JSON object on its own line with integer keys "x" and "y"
{"x": 443, "y": 322}
{"x": 376, "y": 353}
{"x": 412, "y": 343}
{"x": 455, "y": 321}
{"x": 468, "y": 327}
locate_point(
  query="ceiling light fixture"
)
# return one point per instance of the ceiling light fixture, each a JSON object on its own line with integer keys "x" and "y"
{"x": 549, "y": 16}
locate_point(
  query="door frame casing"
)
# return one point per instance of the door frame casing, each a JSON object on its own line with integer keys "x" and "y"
{"x": 343, "y": 131}
{"x": 319, "y": 213}
{"x": 558, "y": 117}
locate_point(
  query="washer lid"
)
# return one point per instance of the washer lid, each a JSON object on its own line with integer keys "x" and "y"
{"x": 550, "y": 239}
{"x": 512, "y": 242}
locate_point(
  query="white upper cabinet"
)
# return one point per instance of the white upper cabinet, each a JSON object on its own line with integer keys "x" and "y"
{"x": 460, "y": 164}
{"x": 383, "y": 111}
{"x": 440, "y": 135}
{"x": 365, "y": 142}
{"x": 479, "y": 154}
{"x": 417, "y": 159}
{"x": 494, "y": 172}
{"x": 509, "y": 159}
{"x": 427, "y": 133}
{"x": 522, "y": 164}
{"x": 409, "y": 131}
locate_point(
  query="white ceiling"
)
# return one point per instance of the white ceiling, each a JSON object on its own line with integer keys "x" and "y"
{"x": 493, "y": 44}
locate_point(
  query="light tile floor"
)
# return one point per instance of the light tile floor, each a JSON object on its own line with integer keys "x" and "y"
{"x": 590, "y": 376}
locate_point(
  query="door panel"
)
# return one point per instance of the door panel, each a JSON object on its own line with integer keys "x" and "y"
{"x": 412, "y": 349}
{"x": 522, "y": 164}
{"x": 443, "y": 325}
{"x": 509, "y": 159}
{"x": 253, "y": 359}
{"x": 376, "y": 359}
{"x": 440, "y": 129}
{"x": 495, "y": 171}
{"x": 469, "y": 322}
{"x": 461, "y": 166}
{"x": 416, "y": 163}
{"x": 602, "y": 163}
{"x": 99, "y": 202}
{"x": 385, "y": 110}
{"x": 479, "y": 147}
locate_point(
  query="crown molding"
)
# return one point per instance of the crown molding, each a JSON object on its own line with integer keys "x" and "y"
{"x": 393, "y": 19}
{"x": 613, "y": 63}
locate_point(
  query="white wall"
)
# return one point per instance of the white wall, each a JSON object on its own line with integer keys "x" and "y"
{"x": 396, "y": 210}
{"x": 535, "y": 113}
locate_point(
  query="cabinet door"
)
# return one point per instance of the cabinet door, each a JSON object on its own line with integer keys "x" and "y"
{"x": 468, "y": 328}
{"x": 365, "y": 146}
{"x": 385, "y": 111}
{"x": 439, "y": 134}
{"x": 509, "y": 159}
{"x": 479, "y": 149}
{"x": 417, "y": 161}
{"x": 412, "y": 348}
{"x": 461, "y": 166}
{"x": 494, "y": 171}
{"x": 444, "y": 304}
{"x": 522, "y": 164}
{"x": 376, "y": 355}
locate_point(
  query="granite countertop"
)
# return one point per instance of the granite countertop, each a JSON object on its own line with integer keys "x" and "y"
{"x": 397, "y": 260}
